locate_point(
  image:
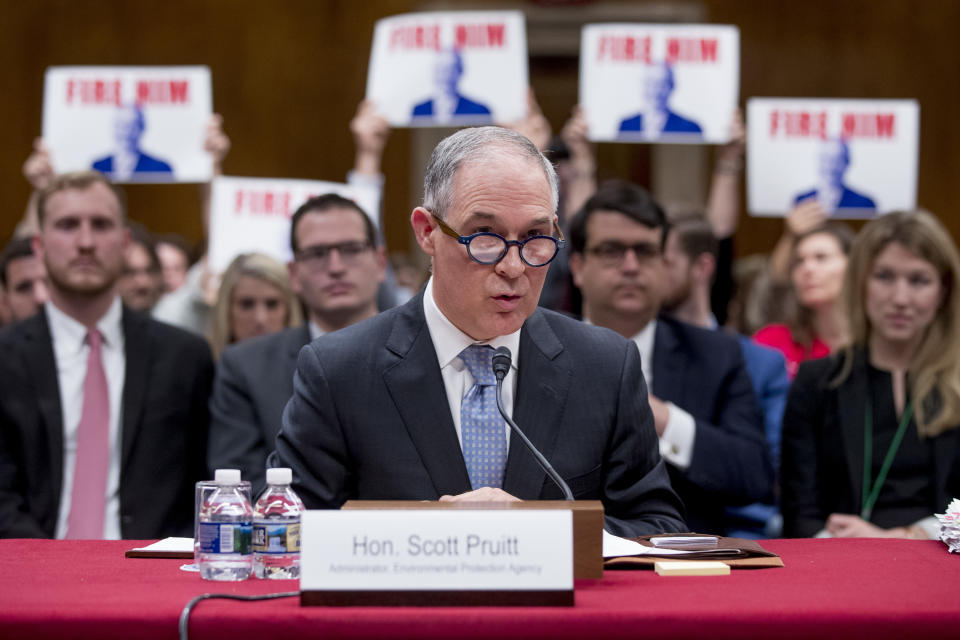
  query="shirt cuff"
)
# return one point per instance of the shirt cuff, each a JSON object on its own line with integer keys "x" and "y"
{"x": 676, "y": 443}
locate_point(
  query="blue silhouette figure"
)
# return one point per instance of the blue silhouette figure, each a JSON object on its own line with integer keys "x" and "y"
{"x": 657, "y": 118}
{"x": 128, "y": 159}
{"x": 447, "y": 101}
{"x": 831, "y": 192}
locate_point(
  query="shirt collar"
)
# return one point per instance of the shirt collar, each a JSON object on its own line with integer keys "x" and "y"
{"x": 70, "y": 334}
{"x": 315, "y": 330}
{"x": 449, "y": 341}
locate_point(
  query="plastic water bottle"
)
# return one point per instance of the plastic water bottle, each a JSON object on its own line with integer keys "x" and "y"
{"x": 224, "y": 530}
{"x": 276, "y": 528}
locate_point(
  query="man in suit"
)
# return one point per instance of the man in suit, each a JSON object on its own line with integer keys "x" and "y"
{"x": 103, "y": 418}
{"x": 706, "y": 416}
{"x": 690, "y": 258}
{"x": 128, "y": 158}
{"x": 657, "y": 118}
{"x": 24, "y": 280}
{"x": 447, "y": 103}
{"x": 831, "y": 192}
{"x": 401, "y": 406}
{"x": 336, "y": 269}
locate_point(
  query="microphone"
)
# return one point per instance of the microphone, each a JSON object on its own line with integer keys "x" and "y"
{"x": 501, "y": 365}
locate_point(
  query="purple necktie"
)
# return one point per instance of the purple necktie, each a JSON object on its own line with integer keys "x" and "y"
{"x": 88, "y": 499}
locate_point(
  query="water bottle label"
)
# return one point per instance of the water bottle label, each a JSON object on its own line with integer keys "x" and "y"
{"x": 224, "y": 537}
{"x": 276, "y": 538}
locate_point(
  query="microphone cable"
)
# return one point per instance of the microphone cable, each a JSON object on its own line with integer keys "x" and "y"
{"x": 185, "y": 614}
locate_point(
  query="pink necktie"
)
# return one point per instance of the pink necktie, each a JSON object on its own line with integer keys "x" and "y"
{"x": 89, "y": 496}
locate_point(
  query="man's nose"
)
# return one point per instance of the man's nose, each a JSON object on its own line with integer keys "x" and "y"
{"x": 511, "y": 265}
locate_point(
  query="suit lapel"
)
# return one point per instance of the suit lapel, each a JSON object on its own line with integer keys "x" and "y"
{"x": 42, "y": 365}
{"x": 137, "y": 347}
{"x": 851, "y": 400}
{"x": 669, "y": 364}
{"x": 417, "y": 390}
{"x": 296, "y": 341}
{"x": 542, "y": 386}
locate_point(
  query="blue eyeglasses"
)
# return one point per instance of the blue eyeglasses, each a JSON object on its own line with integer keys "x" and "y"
{"x": 490, "y": 248}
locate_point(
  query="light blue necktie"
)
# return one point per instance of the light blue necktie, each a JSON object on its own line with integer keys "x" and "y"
{"x": 482, "y": 427}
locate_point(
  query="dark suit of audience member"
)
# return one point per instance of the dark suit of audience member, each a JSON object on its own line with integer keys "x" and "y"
{"x": 163, "y": 427}
{"x": 253, "y": 384}
{"x": 703, "y": 372}
{"x": 823, "y": 440}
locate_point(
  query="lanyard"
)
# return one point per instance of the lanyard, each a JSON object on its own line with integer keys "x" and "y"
{"x": 871, "y": 493}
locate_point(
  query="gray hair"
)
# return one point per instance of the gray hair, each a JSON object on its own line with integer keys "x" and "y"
{"x": 470, "y": 145}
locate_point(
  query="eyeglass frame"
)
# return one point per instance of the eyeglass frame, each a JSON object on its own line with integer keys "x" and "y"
{"x": 308, "y": 253}
{"x": 640, "y": 257}
{"x": 560, "y": 242}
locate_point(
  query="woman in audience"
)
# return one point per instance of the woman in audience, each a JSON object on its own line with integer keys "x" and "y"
{"x": 871, "y": 446}
{"x": 816, "y": 326}
{"x": 254, "y": 298}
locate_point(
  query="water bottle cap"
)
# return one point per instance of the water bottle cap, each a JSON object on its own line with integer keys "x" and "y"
{"x": 227, "y": 476}
{"x": 279, "y": 475}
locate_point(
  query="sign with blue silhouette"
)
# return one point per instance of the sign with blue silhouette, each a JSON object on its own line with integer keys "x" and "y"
{"x": 446, "y": 69}
{"x": 253, "y": 214}
{"x": 135, "y": 124}
{"x": 856, "y": 158}
{"x": 659, "y": 83}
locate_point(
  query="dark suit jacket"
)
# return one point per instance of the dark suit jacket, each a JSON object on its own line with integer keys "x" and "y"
{"x": 369, "y": 419}
{"x": 674, "y": 124}
{"x": 822, "y": 468}
{"x": 465, "y": 107}
{"x": 145, "y": 164}
{"x": 702, "y": 372}
{"x": 254, "y": 381}
{"x": 849, "y": 199}
{"x": 163, "y": 429}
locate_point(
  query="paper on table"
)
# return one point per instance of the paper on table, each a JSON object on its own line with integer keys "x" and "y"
{"x": 183, "y": 545}
{"x": 615, "y": 547}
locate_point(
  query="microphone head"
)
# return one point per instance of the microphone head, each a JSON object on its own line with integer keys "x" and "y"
{"x": 501, "y": 362}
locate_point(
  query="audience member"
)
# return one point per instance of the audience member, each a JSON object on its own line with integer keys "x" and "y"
{"x": 141, "y": 284}
{"x": 174, "y": 255}
{"x": 378, "y": 408}
{"x": 690, "y": 258}
{"x": 817, "y": 325}
{"x": 706, "y": 415}
{"x": 871, "y": 446}
{"x": 254, "y": 298}
{"x": 335, "y": 272}
{"x": 24, "y": 280}
{"x": 103, "y": 419}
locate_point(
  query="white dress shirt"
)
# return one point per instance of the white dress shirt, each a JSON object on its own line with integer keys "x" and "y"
{"x": 70, "y": 351}
{"x": 448, "y": 342}
{"x": 676, "y": 443}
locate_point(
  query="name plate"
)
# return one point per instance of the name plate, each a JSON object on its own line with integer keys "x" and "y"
{"x": 436, "y": 557}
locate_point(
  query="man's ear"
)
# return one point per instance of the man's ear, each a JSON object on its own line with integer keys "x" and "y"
{"x": 576, "y": 267}
{"x": 423, "y": 226}
{"x": 704, "y": 267}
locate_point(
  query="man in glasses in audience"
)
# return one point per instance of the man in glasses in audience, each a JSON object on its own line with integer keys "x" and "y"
{"x": 709, "y": 424}
{"x": 336, "y": 269}
{"x": 403, "y": 406}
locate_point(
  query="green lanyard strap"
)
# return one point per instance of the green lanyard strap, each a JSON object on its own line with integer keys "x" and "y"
{"x": 871, "y": 493}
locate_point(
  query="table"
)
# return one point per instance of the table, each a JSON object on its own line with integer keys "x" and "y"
{"x": 829, "y": 588}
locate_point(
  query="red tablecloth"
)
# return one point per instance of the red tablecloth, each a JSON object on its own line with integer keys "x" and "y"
{"x": 850, "y": 588}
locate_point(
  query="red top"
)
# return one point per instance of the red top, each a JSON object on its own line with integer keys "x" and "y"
{"x": 778, "y": 336}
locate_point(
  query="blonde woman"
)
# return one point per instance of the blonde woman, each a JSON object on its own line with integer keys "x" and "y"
{"x": 870, "y": 440}
{"x": 254, "y": 298}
